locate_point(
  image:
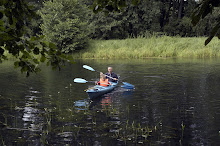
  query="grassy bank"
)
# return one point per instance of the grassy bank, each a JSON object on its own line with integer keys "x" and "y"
{"x": 164, "y": 46}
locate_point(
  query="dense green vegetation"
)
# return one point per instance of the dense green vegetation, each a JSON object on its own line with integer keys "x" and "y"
{"x": 174, "y": 8}
{"x": 65, "y": 24}
{"x": 152, "y": 46}
{"x": 17, "y": 39}
{"x": 43, "y": 31}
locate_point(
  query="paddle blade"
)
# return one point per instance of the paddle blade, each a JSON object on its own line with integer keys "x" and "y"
{"x": 88, "y": 67}
{"x": 80, "y": 80}
{"x": 127, "y": 85}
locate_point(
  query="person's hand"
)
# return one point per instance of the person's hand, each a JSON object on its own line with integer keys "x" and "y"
{"x": 96, "y": 82}
{"x": 115, "y": 78}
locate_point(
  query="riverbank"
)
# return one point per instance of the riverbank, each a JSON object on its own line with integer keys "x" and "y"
{"x": 165, "y": 46}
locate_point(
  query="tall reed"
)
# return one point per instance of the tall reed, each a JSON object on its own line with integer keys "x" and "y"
{"x": 153, "y": 46}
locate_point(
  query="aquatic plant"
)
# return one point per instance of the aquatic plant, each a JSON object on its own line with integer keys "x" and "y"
{"x": 134, "y": 133}
{"x": 182, "y": 130}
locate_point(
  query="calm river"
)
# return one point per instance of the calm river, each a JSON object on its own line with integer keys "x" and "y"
{"x": 175, "y": 102}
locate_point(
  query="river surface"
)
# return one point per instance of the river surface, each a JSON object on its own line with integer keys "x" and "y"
{"x": 175, "y": 102}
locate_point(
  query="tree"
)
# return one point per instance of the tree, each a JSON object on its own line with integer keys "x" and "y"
{"x": 28, "y": 51}
{"x": 65, "y": 24}
{"x": 133, "y": 21}
{"x": 201, "y": 11}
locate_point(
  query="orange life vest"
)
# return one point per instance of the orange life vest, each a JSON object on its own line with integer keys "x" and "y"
{"x": 104, "y": 83}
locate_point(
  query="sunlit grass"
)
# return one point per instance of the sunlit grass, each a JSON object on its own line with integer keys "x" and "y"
{"x": 153, "y": 46}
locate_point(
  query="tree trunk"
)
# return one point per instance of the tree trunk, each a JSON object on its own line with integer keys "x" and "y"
{"x": 168, "y": 12}
{"x": 180, "y": 9}
{"x": 163, "y": 14}
{"x": 174, "y": 7}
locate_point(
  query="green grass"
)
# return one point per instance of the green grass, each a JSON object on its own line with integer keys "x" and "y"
{"x": 153, "y": 46}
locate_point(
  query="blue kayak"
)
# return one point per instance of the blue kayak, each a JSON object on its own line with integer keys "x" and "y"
{"x": 98, "y": 90}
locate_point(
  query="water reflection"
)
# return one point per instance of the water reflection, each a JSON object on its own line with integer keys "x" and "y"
{"x": 31, "y": 111}
{"x": 106, "y": 101}
{"x": 174, "y": 101}
{"x": 81, "y": 104}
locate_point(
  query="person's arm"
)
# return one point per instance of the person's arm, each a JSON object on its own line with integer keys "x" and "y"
{"x": 115, "y": 77}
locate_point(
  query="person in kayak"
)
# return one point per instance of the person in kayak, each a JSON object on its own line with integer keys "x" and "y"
{"x": 103, "y": 81}
{"x": 111, "y": 76}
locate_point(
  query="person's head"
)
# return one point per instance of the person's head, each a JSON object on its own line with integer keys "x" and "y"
{"x": 102, "y": 77}
{"x": 110, "y": 70}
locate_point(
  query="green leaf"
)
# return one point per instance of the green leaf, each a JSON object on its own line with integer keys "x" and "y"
{"x": 1, "y": 52}
{"x": 36, "y": 51}
{"x": 45, "y": 43}
{"x": 52, "y": 46}
{"x": 33, "y": 38}
{"x": 16, "y": 64}
{"x": 25, "y": 55}
{"x": 2, "y": 2}
{"x": 43, "y": 58}
{"x": 1, "y": 15}
{"x": 37, "y": 69}
{"x": 21, "y": 63}
{"x": 135, "y": 2}
{"x": 28, "y": 74}
{"x": 36, "y": 61}
{"x": 4, "y": 57}
{"x": 48, "y": 63}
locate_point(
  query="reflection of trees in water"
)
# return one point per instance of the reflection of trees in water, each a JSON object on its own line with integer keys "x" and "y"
{"x": 31, "y": 118}
{"x": 168, "y": 94}
{"x": 24, "y": 123}
{"x": 183, "y": 97}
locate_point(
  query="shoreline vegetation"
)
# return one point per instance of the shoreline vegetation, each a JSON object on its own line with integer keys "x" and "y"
{"x": 147, "y": 47}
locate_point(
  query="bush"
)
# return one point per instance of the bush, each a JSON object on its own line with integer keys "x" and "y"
{"x": 65, "y": 24}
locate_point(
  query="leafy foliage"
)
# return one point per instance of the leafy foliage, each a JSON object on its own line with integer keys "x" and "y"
{"x": 203, "y": 9}
{"x": 65, "y": 24}
{"x": 133, "y": 21}
{"x": 173, "y": 15}
{"x": 29, "y": 52}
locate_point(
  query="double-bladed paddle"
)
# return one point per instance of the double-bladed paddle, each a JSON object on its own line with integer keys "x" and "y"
{"x": 80, "y": 80}
{"x": 126, "y": 85}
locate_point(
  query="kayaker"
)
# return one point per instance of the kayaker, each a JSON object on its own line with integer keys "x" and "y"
{"x": 112, "y": 76}
{"x": 103, "y": 81}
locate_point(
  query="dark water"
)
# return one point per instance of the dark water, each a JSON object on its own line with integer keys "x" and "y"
{"x": 175, "y": 102}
